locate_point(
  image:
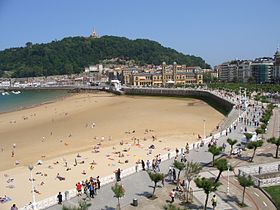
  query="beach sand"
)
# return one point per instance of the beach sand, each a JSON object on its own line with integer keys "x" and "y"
{"x": 58, "y": 131}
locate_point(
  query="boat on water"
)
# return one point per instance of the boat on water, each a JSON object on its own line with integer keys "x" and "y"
{"x": 5, "y": 93}
{"x": 16, "y": 92}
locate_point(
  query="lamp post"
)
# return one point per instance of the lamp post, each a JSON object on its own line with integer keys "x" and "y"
{"x": 228, "y": 167}
{"x": 204, "y": 136}
{"x": 30, "y": 167}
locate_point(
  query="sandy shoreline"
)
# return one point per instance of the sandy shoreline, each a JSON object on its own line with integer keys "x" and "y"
{"x": 58, "y": 131}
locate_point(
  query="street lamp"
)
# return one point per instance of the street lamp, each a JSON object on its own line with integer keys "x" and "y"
{"x": 30, "y": 167}
{"x": 228, "y": 167}
{"x": 204, "y": 136}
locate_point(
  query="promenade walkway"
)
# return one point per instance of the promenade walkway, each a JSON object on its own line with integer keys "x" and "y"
{"x": 139, "y": 185}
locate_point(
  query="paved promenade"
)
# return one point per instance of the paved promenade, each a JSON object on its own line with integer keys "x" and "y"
{"x": 139, "y": 185}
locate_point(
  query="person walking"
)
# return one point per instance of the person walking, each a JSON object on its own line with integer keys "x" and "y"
{"x": 172, "y": 195}
{"x": 59, "y": 198}
{"x": 214, "y": 201}
{"x": 174, "y": 174}
{"x": 143, "y": 165}
{"x": 98, "y": 182}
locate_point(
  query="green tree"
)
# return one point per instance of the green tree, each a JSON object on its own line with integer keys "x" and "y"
{"x": 83, "y": 205}
{"x": 245, "y": 182}
{"x": 155, "y": 177}
{"x": 192, "y": 171}
{"x": 171, "y": 207}
{"x": 214, "y": 150}
{"x": 231, "y": 142}
{"x": 221, "y": 165}
{"x": 254, "y": 145}
{"x": 208, "y": 185}
{"x": 275, "y": 141}
{"x": 180, "y": 166}
{"x": 248, "y": 136}
{"x": 118, "y": 192}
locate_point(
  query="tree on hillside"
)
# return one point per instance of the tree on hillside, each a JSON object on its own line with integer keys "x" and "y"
{"x": 221, "y": 165}
{"x": 155, "y": 177}
{"x": 214, "y": 150}
{"x": 192, "y": 171}
{"x": 254, "y": 145}
{"x": 275, "y": 141}
{"x": 245, "y": 182}
{"x": 118, "y": 192}
{"x": 231, "y": 142}
{"x": 208, "y": 185}
{"x": 180, "y": 166}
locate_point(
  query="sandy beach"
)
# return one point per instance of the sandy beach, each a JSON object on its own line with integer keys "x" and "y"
{"x": 113, "y": 131}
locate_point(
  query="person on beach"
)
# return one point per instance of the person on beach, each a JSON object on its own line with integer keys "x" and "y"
{"x": 14, "y": 207}
{"x": 59, "y": 198}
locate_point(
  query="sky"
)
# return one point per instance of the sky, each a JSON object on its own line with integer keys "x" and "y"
{"x": 216, "y": 30}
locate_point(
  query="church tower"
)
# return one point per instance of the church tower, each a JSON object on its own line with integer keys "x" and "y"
{"x": 163, "y": 74}
{"x": 94, "y": 34}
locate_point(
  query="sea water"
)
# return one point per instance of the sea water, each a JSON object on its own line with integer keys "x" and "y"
{"x": 27, "y": 98}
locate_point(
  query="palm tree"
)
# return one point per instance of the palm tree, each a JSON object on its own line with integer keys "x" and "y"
{"x": 275, "y": 141}
{"x": 208, "y": 185}
{"x": 119, "y": 192}
{"x": 231, "y": 142}
{"x": 180, "y": 166}
{"x": 254, "y": 145}
{"x": 191, "y": 171}
{"x": 215, "y": 151}
{"x": 155, "y": 177}
{"x": 221, "y": 165}
{"x": 245, "y": 182}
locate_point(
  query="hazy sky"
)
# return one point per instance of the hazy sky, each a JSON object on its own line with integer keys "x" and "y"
{"x": 216, "y": 30}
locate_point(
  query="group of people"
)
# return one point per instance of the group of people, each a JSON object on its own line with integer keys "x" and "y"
{"x": 89, "y": 187}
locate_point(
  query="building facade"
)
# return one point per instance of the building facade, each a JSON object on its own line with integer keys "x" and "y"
{"x": 276, "y": 70}
{"x": 262, "y": 70}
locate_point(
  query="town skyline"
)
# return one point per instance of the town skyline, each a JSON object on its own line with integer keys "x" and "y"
{"x": 218, "y": 31}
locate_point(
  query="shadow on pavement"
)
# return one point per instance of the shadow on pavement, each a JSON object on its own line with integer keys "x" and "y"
{"x": 144, "y": 194}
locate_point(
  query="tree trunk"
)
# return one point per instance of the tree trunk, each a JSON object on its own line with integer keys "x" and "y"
{"x": 277, "y": 149}
{"x": 206, "y": 201}
{"x": 213, "y": 160}
{"x": 119, "y": 206}
{"x": 154, "y": 188}
{"x": 243, "y": 195}
{"x": 231, "y": 148}
{"x": 218, "y": 177}
{"x": 188, "y": 190}
{"x": 253, "y": 154}
{"x": 178, "y": 178}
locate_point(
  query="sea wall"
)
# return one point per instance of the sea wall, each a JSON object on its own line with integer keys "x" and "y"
{"x": 222, "y": 105}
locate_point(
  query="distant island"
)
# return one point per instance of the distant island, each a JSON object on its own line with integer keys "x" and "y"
{"x": 72, "y": 54}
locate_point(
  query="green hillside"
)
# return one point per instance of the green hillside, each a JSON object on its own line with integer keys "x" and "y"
{"x": 72, "y": 54}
